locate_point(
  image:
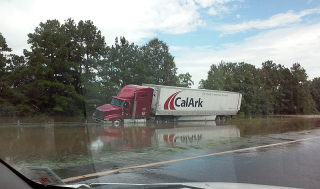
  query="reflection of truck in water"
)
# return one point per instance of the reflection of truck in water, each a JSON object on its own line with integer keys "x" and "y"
{"x": 189, "y": 135}
{"x": 136, "y": 138}
{"x": 165, "y": 103}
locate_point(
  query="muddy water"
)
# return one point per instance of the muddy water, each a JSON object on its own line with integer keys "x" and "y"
{"x": 70, "y": 144}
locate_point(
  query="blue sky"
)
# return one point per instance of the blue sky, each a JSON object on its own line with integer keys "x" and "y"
{"x": 198, "y": 32}
{"x": 243, "y": 12}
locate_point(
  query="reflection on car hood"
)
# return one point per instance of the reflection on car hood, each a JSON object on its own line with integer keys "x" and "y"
{"x": 193, "y": 185}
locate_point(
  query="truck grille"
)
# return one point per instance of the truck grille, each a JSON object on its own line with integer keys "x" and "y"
{"x": 99, "y": 114}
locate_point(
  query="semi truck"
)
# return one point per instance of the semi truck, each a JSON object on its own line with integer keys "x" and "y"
{"x": 167, "y": 103}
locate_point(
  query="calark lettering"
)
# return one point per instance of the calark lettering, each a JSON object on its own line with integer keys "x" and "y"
{"x": 188, "y": 102}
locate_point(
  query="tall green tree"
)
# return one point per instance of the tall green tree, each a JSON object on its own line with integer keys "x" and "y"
{"x": 240, "y": 77}
{"x": 315, "y": 91}
{"x": 124, "y": 63}
{"x": 275, "y": 80}
{"x": 122, "y": 66}
{"x": 17, "y": 78}
{"x": 5, "y": 104}
{"x": 248, "y": 84}
{"x": 50, "y": 87}
{"x": 302, "y": 102}
{"x": 184, "y": 80}
{"x": 220, "y": 77}
{"x": 159, "y": 63}
{"x": 89, "y": 49}
{"x": 63, "y": 62}
{"x": 12, "y": 99}
{"x": 4, "y": 49}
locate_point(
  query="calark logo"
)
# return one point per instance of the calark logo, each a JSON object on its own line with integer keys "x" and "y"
{"x": 173, "y": 102}
{"x": 173, "y": 138}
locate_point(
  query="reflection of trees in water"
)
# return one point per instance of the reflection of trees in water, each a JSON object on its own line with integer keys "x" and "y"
{"x": 54, "y": 142}
{"x": 26, "y": 142}
{"x": 70, "y": 141}
{"x": 127, "y": 139}
{"x": 268, "y": 126}
{"x": 60, "y": 143}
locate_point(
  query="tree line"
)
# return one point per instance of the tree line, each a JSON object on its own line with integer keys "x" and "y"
{"x": 271, "y": 89}
{"x": 69, "y": 69}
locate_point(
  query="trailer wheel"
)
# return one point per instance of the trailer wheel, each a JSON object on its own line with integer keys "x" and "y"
{"x": 117, "y": 123}
{"x": 157, "y": 119}
{"x": 217, "y": 118}
{"x": 166, "y": 120}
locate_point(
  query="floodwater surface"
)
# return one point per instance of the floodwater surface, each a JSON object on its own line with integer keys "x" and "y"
{"x": 59, "y": 146}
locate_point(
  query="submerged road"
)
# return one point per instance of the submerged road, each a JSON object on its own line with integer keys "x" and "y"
{"x": 290, "y": 160}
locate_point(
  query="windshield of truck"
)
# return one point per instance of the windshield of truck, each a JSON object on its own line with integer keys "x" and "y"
{"x": 117, "y": 102}
{"x": 234, "y": 98}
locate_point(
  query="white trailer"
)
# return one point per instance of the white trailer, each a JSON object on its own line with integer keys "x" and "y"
{"x": 181, "y": 104}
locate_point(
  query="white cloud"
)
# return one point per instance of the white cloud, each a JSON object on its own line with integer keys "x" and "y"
{"x": 284, "y": 46}
{"x": 277, "y": 20}
{"x": 238, "y": 16}
{"x": 209, "y": 3}
{"x": 205, "y": 3}
{"x": 216, "y": 7}
{"x": 212, "y": 11}
{"x": 133, "y": 19}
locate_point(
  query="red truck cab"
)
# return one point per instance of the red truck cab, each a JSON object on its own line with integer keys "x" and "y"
{"x": 131, "y": 102}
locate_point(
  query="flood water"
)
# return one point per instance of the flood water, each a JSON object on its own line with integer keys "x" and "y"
{"x": 64, "y": 143}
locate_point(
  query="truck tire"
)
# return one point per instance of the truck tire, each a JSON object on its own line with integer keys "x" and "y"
{"x": 157, "y": 120}
{"x": 117, "y": 123}
{"x": 168, "y": 119}
{"x": 218, "y": 118}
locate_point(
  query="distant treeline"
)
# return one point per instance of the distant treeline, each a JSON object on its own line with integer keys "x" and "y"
{"x": 69, "y": 69}
{"x": 271, "y": 89}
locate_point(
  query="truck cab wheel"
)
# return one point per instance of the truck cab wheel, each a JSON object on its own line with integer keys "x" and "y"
{"x": 117, "y": 123}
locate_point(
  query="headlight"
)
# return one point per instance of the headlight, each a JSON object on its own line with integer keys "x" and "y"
{"x": 105, "y": 119}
